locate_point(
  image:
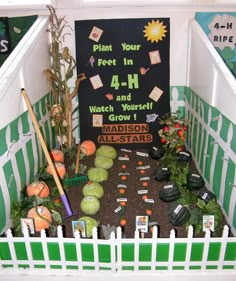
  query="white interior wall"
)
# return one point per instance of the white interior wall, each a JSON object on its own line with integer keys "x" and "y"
{"x": 208, "y": 75}
{"x": 180, "y": 16}
{"x": 24, "y": 69}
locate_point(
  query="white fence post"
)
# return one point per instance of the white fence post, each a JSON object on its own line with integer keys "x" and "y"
{"x": 33, "y": 136}
{"x": 225, "y": 236}
{"x": 191, "y": 120}
{"x": 171, "y": 250}
{"x": 154, "y": 248}
{"x": 206, "y": 249}
{"x": 119, "y": 249}
{"x": 24, "y": 138}
{"x": 95, "y": 249}
{"x": 61, "y": 247}
{"x": 113, "y": 251}
{"x": 201, "y": 134}
{"x": 3, "y": 182}
{"x": 136, "y": 250}
{"x": 78, "y": 251}
{"x": 215, "y": 149}
{"x": 45, "y": 250}
{"x": 25, "y": 155}
{"x": 189, "y": 247}
{"x": 28, "y": 247}
{"x": 206, "y": 155}
{"x": 225, "y": 164}
{"x": 198, "y": 128}
{"x": 12, "y": 249}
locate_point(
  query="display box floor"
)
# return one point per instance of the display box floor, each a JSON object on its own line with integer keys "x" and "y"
{"x": 135, "y": 177}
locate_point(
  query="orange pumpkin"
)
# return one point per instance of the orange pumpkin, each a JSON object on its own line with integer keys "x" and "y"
{"x": 57, "y": 155}
{"x": 40, "y": 222}
{"x": 60, "y": 169}
{"x": 38, "y": 188}
{"x": 88, "y": 147}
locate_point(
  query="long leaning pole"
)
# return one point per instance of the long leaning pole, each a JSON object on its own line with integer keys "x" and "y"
{"x": 47, "y": 155}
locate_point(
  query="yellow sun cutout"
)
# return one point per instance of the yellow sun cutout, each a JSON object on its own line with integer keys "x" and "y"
{"x": 155, "y": 31}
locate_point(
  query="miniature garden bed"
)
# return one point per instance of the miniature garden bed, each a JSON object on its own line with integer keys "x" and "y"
{"x": 109, "y": 213}
{"x": 158, "y": 185}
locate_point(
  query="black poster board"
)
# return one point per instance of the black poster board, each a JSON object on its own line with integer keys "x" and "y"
{"x": 5, "y": 46}
{"x": 126, "y": 62}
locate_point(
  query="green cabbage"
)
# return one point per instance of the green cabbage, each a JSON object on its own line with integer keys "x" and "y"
{"x": 90, "y": 224}
{"x": 90, "y": 205}
{"x": 97, "y": 174}
{"x": 107, "y": 151}
{"x": 93, "y": 189}
{"x": 103, "y": 162}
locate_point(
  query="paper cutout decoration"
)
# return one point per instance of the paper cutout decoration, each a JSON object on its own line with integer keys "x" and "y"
{"x": 155, "y": 94}
{"x": 97, "y": 120}
{"x": 91, "y": 61}
{"x": 143, "y": 70}
{"x": 151, "y": 117}
{"x": 109, "y": 96}
{"x": 155, "y": 57}
{"x": 155, "y": 31}
{"x": 95, "y": 34}
{"x": 96, "y": 81}
{"x": 16, "y": 30}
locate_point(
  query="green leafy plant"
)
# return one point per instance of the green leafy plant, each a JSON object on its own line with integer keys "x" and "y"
{"x": 195, "y": 219}
{"x": 179, "y": 174}
{"x": 172, "y": 136}
{"x": 212, "y": 208}
{"x": 19, "y": 209}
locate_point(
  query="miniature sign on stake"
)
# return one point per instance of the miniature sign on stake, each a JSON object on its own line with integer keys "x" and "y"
{"x": 29, "y": 223}
{"x": 208, "y": 223}
{"x": 142, "y": 223}
{"x": 80, "y": 226}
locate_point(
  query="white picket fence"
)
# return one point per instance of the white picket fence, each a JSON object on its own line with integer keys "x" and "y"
{"x": 211, "y": 110}
{"x": 117, "y": 257}
{"x": 13, "y": 148}
{"x": 205, "y": 143}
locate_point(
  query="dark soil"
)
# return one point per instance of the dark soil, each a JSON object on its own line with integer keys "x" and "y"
{"x": 135, "y": 205}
